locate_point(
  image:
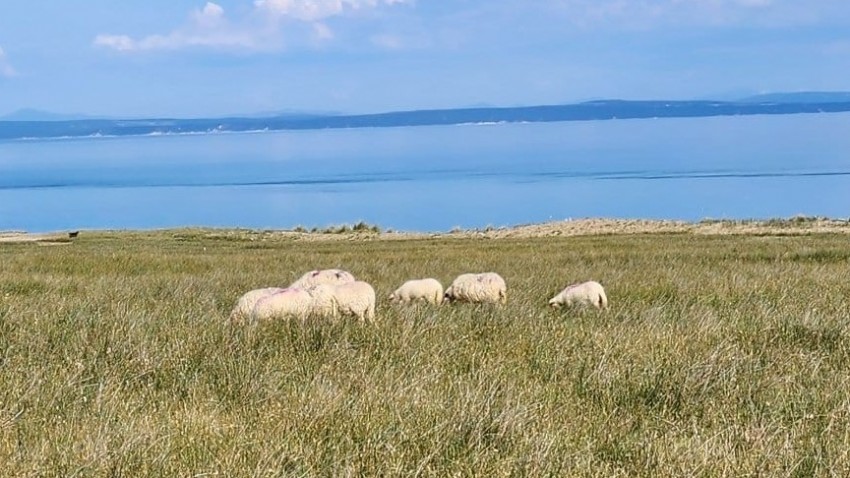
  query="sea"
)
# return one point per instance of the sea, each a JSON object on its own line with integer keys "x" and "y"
{"x": 434, "y": 178}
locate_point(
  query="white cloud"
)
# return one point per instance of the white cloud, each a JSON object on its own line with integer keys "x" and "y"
{"x": 209, "y": 26}
{"x": 211, "y": 16}
{"x": 312, "y": 10}
{"x": 322, "y": 32}
{"x": 6, "y": 69}
{"x": 648, "y": 13}
{"x": 116, "y": 42}
{"x": 388, "y": 41}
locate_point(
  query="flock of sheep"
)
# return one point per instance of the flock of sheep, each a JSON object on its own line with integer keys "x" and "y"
{"x": 335, "y": 292}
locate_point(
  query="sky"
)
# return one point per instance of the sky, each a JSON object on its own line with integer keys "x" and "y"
{"x": 186, "y": 58}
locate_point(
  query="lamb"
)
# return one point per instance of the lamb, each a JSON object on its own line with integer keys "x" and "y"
{"x": 353, "y": 298}
{"x": 356, "y": 298}
{"x": 486, "y": 287}
{"x": 588, "y": 293}
{"x": 428, "y": 290}
{"x": 326, "y": 276}
{"x": 245, "y": 305}
{"x": 289, "y": 302}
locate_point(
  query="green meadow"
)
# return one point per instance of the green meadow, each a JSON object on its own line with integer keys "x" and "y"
{"x": 719, "y": 356}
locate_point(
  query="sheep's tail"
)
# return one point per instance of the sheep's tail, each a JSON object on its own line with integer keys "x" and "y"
{"x": 603, "y": 301}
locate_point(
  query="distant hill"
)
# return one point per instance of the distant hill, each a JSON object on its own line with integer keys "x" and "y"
{"x": 778, "y": 104}
{"x": 29, "y": 114}
{"x": 800, "y": 97}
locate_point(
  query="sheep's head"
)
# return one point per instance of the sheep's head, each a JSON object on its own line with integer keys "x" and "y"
{"x": 554, "y": 304}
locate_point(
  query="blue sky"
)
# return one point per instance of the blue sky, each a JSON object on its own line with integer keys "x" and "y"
{"x": 186, "y": 58}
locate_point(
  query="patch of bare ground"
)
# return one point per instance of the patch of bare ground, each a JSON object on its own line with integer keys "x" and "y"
{"x": 605, "y": 226}
{"x": 48, "y": 239}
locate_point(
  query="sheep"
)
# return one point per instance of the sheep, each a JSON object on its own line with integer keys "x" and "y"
{"x": 486, "y": 287}
{"x": 245, "y": 305}
{"x": 289, "y": 302}
{"x": 356, "y": 298}
{"x": 590, "y": 293}
{"x": 428, "y": 290}
{"x": 324, "y": 303}
{"x": 326, "y": 276}
{"x": 353, "y": 298}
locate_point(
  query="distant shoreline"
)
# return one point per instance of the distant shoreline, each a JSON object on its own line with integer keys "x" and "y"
{"x": 12, "y": 130}
{"x": 798, "y": 225}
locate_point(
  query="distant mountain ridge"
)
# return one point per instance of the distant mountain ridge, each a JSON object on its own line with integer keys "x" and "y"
{"x": 775, "y": 104}
{"x": 800, "y": 97}
{"x": 31, "y": 114}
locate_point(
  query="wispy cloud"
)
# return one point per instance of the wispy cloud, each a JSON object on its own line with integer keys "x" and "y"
{"x": 6, "y": 68}
{"x": 206, "y": 27}
{"x": 313, "y": 10}
{"x": 388, "y": 41}
{"x": 651, "y": 13}
{"x": 261, "y": 29}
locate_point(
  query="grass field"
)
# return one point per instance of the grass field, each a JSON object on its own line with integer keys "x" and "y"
{"x": 719, "y": 356}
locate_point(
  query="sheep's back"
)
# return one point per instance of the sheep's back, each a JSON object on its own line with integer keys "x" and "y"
{"x": 428, "y": 289}
{"x": 245, "y": 304}
{"x": 483, "y": 287}
{"x": 325, "y": 276}
{"x": 288, "y": 302}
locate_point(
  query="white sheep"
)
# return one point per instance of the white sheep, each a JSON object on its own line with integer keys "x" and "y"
{"x": 289, "y": 302}
{"x": 354, "y": 298}
{"x": 428, "y": 290}
{"x": 324, "y": 303}
{"x": 245, "y": 304}
{"x": 326, "y": 276}
{"x": 590, "y": 293}
{"x": 487, "y": 287}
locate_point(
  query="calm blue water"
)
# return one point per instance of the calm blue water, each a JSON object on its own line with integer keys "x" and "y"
{"x": 435, "y": 178}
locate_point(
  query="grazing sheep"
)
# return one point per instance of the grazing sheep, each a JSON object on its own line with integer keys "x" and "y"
{"x": 289, "y": 302}
{"x": 487, "y": 287}
{"x": 324, "y": 303}
{"x": 588, "y": 293}
{"x": 354, "y": 298}
{"x": 326, "y": 276}
{"x": 428, "y": 290}
{"x": 245, "y": 305}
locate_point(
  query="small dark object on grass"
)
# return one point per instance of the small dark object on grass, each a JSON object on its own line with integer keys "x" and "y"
{"x": 73, "y": 234}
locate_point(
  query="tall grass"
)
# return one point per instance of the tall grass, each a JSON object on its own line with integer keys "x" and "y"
{"x": 719, "y": 356}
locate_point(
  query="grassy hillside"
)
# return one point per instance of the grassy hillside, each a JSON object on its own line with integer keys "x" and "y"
{"x": 720, "y": 355}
